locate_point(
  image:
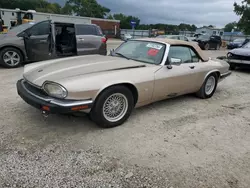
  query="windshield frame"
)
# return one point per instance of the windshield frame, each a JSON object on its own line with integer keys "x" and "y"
{"x": 245, "y": 45}
{"x": 165, "y": 46}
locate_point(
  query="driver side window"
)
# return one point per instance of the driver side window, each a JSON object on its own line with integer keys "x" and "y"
{"x": 184, "y": 53}
{"x": 42, "y": 28}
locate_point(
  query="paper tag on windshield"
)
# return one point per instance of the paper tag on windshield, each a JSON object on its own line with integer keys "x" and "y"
{"x": 155, "y": 46}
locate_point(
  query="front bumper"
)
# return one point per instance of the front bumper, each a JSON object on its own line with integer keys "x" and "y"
{"x": 49, "y": 104}
{"x": 238, "y": 61}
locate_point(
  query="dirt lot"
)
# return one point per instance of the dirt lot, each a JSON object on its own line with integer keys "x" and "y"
{"x": 182, "y": 142}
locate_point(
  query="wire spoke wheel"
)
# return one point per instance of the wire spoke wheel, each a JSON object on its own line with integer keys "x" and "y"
{"x": 115, "y": 107}
{"x": 210, "y": 85}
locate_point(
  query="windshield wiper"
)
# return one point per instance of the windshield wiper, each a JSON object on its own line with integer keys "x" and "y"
{"x": 122, "y": 55}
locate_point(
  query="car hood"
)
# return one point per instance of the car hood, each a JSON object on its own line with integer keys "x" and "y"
{"x": 241, "y": 51}
{"x": 4, "y": 36}
{"x": 58, "y": 69}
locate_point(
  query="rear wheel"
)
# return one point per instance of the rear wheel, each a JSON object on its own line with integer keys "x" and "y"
{"x": 11, "y": 57}
{"x": 217, "y": 47}
{"x": 206, "y": 47}
{"x": 209, "y": 86}
{"x": 112, "y": 107}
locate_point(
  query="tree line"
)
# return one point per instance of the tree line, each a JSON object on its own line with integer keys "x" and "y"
{"x": 91, "y": 8}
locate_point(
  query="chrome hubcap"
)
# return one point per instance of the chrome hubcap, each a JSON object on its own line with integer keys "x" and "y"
{"x": 210, "y": 85}
{"x": 11, "y": 58}
{"x": 115, "y": 107}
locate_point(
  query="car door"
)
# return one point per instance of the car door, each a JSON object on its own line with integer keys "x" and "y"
{"x": 38, "y": 41}
{"x": 177, "y": 78}
{"x": 213, "y": 42}
{"x": 88, "y": 42}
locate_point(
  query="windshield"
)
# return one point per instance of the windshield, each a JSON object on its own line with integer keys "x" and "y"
{"x": 143, "y": 51}
{"x": 21, "y": 27}
{"x": 239, "y": 40}
{"x": 204, "y": 37}
{"x": 247, "y": 45}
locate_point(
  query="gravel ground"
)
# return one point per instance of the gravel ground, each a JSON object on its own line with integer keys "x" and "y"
{"x": 182, "y": 142}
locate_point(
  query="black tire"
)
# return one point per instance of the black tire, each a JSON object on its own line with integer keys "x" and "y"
{"x": 201, "y": 93}
{"x": 10, "y": 49}
{"x": 206, "y": 47}
{"x": 232, "y": 66}
{"x": 97, "y": 114}
{"x": 217, "y": 47}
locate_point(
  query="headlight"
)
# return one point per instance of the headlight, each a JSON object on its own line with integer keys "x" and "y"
{"x": 55, "y": 90}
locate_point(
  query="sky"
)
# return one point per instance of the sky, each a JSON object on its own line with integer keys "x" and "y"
{"x": 198, "y": 12}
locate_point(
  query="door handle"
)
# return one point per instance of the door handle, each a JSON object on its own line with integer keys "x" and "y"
{"x": 43, "y": 41}
{"x": 192, "y": 67}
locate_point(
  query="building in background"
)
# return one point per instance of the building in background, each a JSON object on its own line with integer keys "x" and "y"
{"x": 12, "y": 17}
{"x": 210, "y": 31}
{"x": 110, "y": 28}
{"x": 187, "y": 33}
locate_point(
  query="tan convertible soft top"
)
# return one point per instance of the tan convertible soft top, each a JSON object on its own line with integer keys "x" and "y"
{"x": 179, "y": 42}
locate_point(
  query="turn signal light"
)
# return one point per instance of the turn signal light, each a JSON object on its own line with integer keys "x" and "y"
{"x": 77, "y": 108}
{"x": 45, "y": 108}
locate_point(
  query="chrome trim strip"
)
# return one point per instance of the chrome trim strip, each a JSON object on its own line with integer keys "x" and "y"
{"x": 239, "y": 61}
{"x": 245, "y": 62}
{"x": 72, "y": 103}
{"x": 224, "y": 75}
{"x": 59, "y": 102}
{"x": 47, "y": 99}
{"x": 234, "y": 61}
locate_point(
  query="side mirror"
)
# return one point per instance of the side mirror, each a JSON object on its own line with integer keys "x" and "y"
{"x": 23, "y": 34}
{"x": 175, "y": 61}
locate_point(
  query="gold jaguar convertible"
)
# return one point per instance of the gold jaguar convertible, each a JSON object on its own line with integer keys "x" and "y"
{"x": 108, "y": 88}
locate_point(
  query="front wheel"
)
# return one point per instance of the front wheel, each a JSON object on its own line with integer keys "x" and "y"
{"x": 112, "y": 107}
{"x": 209, "y": 86}
{"x": 11, "y": 57}
{"x": 232, "y": 66}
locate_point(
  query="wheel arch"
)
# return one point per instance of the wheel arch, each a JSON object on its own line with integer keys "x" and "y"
{"x": 130, "y": 86}
{"x": 217, "y": 72}
{"x": 17, "y": 48}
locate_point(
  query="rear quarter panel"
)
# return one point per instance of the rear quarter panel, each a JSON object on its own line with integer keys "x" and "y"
{"x": 213, "y": 65}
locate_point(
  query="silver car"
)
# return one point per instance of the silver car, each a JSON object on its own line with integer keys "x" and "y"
{"x": 49, "y": 40}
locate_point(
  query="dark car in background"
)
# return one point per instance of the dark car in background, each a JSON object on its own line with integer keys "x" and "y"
{"x": 207, "y": 42}
{"x": 49, "y": 40}
{"x": 237, "y": 43}
{"x": 239, "y": 57}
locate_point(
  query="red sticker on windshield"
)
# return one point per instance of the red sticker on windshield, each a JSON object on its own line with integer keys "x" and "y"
{"x": 153, "y": 52}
